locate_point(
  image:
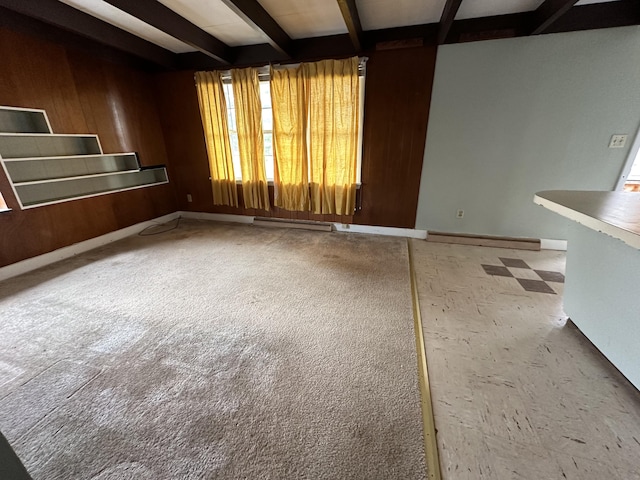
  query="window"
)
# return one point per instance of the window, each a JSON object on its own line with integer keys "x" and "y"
{"x": 629, "y": 181}
{"x": 632, "y": 183}
{"x": 267, "y": 128}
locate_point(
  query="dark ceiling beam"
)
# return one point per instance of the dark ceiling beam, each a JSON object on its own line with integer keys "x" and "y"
{"x": 306, "y": 49}
{"x": 549, "y": 12}
{"x": 622, "y": 13}
{"x": 50, "y": 33}
{"x": 586, "y": 17}
{"x": 68, "y": 18}
{"x": 490, "y": 28}
{"x": 427, "y": 32}
{"x": 163, "y": 18}
{"x": 446, "y": 20}
{"x": 352, "y": 21}
{"x": 99, "y": 38}
{"x": 257, "y": 18}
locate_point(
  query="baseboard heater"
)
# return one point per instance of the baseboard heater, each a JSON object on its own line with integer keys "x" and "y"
{"x": 288, "y": 223}
{"x": 485, "y": 240}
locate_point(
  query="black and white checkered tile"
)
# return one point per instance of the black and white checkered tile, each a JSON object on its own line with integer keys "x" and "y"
{"x": 531, "y": 280}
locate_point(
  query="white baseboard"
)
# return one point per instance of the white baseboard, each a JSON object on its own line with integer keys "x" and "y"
{"x": 387, "y": 231}
{"x": 33, "y": 263}
{"x": 548, "y": 244}
{"x": 339, "y": 227}
{"x": 66, "y": 252}
{"x": 217, "y": 217}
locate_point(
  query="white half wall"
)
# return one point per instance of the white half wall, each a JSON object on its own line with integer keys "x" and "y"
{"x": 513, "y": 117}
{"x": 601, "y": 295}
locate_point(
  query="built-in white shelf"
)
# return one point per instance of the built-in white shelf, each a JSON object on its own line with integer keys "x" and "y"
{"x": 45, "y": 168}
{"x": 42, "y": 168}
{"x": 15, "y": 145}
{"x": 23, "y": 120}
{"x": 54, "y": 191}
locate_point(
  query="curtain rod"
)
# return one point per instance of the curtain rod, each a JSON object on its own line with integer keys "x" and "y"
{"x": 263, "y": 72}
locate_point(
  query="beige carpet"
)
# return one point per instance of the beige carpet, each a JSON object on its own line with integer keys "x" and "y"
{"x": 215, "y": 351}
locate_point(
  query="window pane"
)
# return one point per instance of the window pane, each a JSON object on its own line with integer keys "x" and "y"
{"x": 267, "y": 119}
{"x": 268, "y": 144}
{"x": 265, "y": 95}
{"x": 235, "y": 154}
{"x": 268, "y": 154}
{"x": 268, "y": 165}
{"x": 228, "y": 94}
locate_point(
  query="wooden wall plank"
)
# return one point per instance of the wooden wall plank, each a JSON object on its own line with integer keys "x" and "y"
{"x": 397, "y": 100}
{"x": 81, "y": 94}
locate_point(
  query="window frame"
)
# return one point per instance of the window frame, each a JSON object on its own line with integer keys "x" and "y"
{"x": 3, "y": 204}
{"x": 633, "y": 160}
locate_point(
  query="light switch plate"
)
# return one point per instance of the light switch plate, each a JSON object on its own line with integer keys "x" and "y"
{"x": 618, "y": 141}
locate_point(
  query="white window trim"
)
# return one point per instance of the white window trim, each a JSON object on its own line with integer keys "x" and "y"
{"x": 633, "y": 156}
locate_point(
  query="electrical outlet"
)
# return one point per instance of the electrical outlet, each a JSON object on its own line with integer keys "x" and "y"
{"x": 460, "y": 214}
{"x": 618, "y": 141}
{"x": 189, "y": 198}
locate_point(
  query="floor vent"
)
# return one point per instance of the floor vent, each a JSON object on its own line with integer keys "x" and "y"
{"x": 288, "y": 223}
{"x": 484, "y": 240}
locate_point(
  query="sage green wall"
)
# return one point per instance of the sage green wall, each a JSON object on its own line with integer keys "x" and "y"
{"x": 513, "y": 117}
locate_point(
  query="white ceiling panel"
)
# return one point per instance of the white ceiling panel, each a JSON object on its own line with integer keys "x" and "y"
{"x": 236, "y": 34}
{"x": 489, "y": 8}
{"x": 216, "y": 18}
{"x": 120, "y": 19}
{"x": 310, "y": 18}
{"x": 589, "y": 2}
{"x": 377, "y": 14}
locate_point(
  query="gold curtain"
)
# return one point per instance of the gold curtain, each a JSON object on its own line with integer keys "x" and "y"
{"x": 333, "y": 134}
{"x": 289, "y": 102}
{"x": 246, "y": 94}
{"x": 213, "y": 111}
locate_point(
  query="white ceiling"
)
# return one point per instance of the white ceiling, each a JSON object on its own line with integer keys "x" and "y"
{"x": 299, "y": 18}
{"x": 216, "y": 18}
{"x": 110, "y": 14}
{"x": 309, "y": 18}
{"x": 488, "y": 8}
{"x": 377, "y": 14}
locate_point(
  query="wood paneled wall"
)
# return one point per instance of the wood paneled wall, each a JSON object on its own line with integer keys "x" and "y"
{"x": 397, "y": 100}
{"x": 398, "y": 93}
{"x": 81, "y": 94}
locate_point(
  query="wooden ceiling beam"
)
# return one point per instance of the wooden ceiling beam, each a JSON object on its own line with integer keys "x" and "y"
{"x": 547, "y": 13}
{"x": 163, "y": 18}
{"x": 622, "y": 13}
{"x": 58, "y": 22}
{"x": 257, "y": 18}
{"x": 446, "y": 20}
{"x": 68, "y": 18}
{"x": 352, "y": 21}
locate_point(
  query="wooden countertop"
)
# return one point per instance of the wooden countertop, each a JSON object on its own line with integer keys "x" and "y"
{"x": 614, "y": 213}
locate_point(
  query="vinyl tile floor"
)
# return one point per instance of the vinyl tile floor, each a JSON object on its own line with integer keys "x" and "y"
{"x": 518, "y": 391}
